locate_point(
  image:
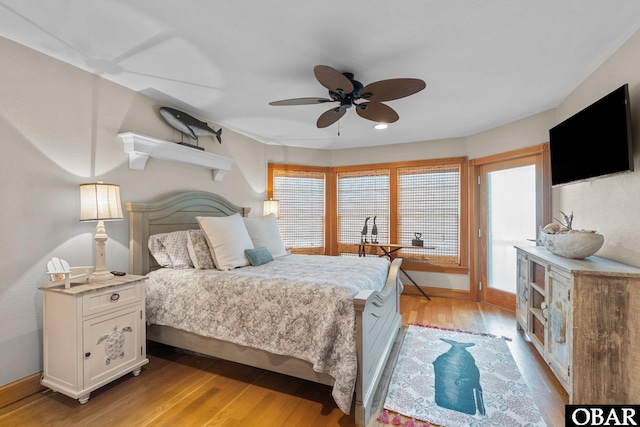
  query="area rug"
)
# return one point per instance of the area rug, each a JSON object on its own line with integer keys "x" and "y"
{"x": 455, "y": 378}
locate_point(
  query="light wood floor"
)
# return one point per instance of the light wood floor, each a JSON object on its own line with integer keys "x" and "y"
{"x": 175, "y": 389}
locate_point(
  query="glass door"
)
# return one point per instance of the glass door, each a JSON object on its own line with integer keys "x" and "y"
{"x": 509, "y": 215}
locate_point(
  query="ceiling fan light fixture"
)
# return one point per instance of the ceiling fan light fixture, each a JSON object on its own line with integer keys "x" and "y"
{"x": 343, "y": 88}
{"x": 381, "y": 126}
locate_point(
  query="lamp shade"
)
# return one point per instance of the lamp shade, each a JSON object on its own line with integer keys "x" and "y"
{"x": 100, "y": 202}
{"x": 271, "y": 207}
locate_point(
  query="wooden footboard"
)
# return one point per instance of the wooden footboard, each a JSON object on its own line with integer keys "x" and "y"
{"x": 378, "y": 321}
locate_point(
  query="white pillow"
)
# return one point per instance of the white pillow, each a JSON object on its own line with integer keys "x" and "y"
{"x": 170, "y": 249}
{"x": 228, "y": 238}
{"x": 199, "y": 251}
{"x": 158, "y": 251}
{"x": 264, "y": 232}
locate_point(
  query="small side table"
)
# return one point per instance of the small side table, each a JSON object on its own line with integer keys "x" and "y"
{"x": 93, "y": 333}
{"x": 388, "y": 251}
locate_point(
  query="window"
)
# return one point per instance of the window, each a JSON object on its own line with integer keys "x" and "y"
{"x": 429, "y": 204}
{"x": 362, "y": 194}
{"x": 301, "y": 194}
{"x": 322, "y": 205}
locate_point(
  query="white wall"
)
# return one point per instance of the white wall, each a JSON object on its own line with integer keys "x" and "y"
{"x": 58, "y": 128}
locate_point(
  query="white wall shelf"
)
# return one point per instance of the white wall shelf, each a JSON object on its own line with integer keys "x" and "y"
{"x": 141, "y": 147}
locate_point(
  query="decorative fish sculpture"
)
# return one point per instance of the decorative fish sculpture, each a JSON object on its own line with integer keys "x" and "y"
{"x": 188, "y": 124}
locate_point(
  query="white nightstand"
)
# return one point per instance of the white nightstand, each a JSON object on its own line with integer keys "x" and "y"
{"x": 93, "y": 333}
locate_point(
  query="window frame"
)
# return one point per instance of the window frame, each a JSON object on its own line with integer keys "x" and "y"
{"x": 331, "y": 216}
{"x": 271, "y": 167}
{"x": 352, "y": 247}
{"x": 431, "y": 208}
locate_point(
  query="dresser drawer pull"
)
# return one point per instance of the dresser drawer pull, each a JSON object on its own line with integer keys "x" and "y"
{"x": 115, "y": 297}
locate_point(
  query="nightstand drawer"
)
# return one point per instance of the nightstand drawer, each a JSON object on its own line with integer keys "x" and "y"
{"x": 106, "y": 299}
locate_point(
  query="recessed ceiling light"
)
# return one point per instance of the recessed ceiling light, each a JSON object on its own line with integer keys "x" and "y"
{"x": 381, "y": 126}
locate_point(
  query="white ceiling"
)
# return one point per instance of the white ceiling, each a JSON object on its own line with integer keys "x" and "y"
{"x": 485, "y": 63}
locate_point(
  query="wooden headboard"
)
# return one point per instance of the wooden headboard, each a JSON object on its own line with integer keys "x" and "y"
{"x": 177, "y": 212}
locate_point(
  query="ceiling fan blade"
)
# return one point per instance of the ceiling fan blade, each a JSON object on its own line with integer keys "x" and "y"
{"x": 377, "y": 112}
{"x": 301, "y": 101}
{"x": 332, "y": 79}
{"x": 388, "y": 90}
{"x": 329, "y": 117}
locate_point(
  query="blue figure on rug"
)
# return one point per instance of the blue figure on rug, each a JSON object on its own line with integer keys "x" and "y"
{"x": 457, "y": 380}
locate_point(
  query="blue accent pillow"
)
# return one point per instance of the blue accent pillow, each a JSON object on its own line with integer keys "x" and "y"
{"x": 258, "y": 256}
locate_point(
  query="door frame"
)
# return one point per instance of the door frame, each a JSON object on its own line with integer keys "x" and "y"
{"x": 543, "y": 206}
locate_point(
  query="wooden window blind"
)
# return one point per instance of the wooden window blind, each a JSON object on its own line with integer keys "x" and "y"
{"x": 301, "y": 194}
{"x": 429, "y": 203}
{"x": 322, "y": 210}
{"x": 361, "y": 194}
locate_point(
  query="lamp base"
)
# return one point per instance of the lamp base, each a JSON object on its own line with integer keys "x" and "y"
{"x": 101, "y": 275}
{"x": 101, "y": 272}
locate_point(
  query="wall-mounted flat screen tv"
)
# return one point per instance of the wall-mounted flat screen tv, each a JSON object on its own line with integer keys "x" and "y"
{"x": 594, "y": 142}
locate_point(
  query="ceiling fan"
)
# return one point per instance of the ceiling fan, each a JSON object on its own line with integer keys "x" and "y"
{"x": 343, "y": 88}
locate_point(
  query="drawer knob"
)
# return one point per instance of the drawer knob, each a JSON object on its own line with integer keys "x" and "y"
{"x": 115, "y": 297}
{"x": 87, "y": 354}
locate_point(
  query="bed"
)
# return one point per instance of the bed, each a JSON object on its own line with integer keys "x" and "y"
{"x": 375, "y": 318}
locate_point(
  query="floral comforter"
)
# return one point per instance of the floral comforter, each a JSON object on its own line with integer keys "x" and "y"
{"x": 296, "y": 305}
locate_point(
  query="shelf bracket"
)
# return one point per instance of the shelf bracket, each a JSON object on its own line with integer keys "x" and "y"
{"x": 137, "y": 160}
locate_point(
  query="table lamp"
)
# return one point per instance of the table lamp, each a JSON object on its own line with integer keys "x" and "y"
{"x": 100, "y": 202}
{"x": 271, "y": 207}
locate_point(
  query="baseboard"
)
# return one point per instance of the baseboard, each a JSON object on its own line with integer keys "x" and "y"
{"x": 12, "y": 392}
{"x": 409, "y": 289}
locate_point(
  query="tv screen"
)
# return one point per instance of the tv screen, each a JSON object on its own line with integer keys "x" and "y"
{"x": 594, "y": 142}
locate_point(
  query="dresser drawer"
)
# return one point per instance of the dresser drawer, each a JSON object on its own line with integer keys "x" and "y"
{"x": 106, "y": 299}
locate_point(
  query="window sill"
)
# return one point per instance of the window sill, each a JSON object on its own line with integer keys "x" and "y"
{"x": 433, "y": 268}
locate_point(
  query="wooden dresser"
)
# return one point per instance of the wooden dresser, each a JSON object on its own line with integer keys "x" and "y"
{"x": 583, "y": 316}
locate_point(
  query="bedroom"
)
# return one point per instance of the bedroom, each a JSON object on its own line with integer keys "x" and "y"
{"x": 60, "y": 125}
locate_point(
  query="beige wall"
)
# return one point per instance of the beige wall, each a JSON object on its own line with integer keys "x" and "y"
{"x": 454, "y": 147}
{"x": 610, "y": 205}
{"x": 58, "y": 128}
{"x": 522, "y": 133}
